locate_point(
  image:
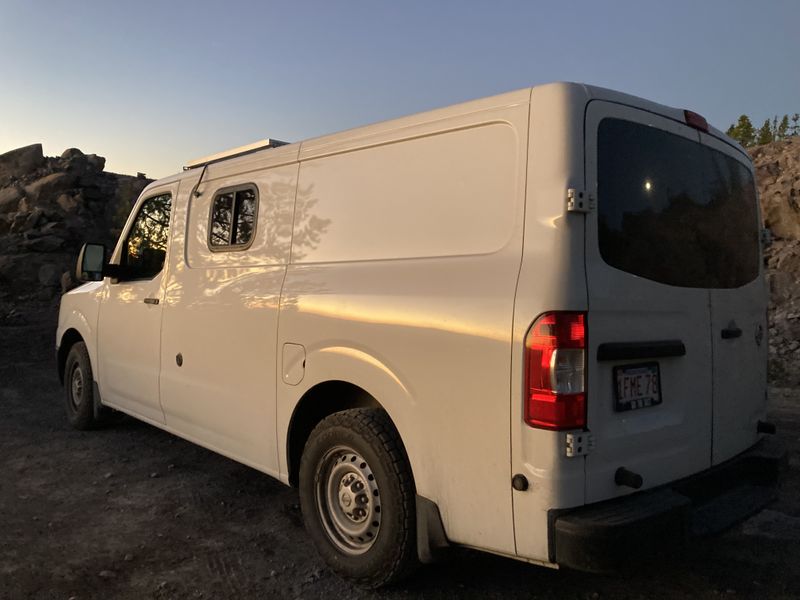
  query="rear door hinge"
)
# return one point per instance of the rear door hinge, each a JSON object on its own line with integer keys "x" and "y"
{"x": 579, "y": 201}
{"x": 579, "y": 443}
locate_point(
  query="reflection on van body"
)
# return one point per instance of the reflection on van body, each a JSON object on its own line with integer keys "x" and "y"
{"x": 468, "y": 326}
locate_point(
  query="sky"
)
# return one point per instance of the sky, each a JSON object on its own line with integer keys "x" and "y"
{"x": 151, "y": 85}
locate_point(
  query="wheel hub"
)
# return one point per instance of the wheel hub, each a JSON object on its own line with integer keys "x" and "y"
{"x": 353, "y": 498}
{"x": 76, "y": 386}
{"x": 348, "y": 500}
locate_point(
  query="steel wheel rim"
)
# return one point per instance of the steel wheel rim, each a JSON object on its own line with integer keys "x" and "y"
{"x": 76, "y": 387}
{"x": 348, "y": 500}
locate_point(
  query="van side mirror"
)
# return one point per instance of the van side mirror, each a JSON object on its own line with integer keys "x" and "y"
{"x": 91, "y": 263}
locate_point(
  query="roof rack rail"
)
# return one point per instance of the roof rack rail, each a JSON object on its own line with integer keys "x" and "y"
{"x": 240, "y": 151}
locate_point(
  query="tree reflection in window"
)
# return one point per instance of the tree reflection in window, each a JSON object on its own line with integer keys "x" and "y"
{"x": 146, "y": 245}
{"x": 673, "y": 210}
{"x": 233, "y": 219}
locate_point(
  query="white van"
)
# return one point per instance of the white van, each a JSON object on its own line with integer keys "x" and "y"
{"x": 532, "y": 324}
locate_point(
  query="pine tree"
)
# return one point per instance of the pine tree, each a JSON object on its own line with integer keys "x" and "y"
{"x": 774, "y": 128}
{"x": 783, "y": 128}
{"x": 743, "y": 132}
{"x": 795, "y": 129}
{"x": 765, "y": 135}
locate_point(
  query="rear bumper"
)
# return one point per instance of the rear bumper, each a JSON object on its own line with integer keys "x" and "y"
{"x": 607, "y": 536}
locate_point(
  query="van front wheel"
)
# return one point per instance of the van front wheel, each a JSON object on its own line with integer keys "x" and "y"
{"x": 357, "y": 496}
{"x": 78, "y": 388}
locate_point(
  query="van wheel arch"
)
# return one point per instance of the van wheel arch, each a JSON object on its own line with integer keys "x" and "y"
{"x": 325, "y": 399}
{"x": 319, "y": 402}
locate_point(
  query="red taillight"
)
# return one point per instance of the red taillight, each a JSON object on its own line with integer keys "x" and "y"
{"x": 695, "y": 120}
{"x": 555, "y": 355}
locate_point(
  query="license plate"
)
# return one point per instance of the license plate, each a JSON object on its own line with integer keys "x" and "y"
{"x": 636, "y": 386}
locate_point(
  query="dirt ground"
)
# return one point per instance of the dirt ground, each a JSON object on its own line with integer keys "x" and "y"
{"x": 132, "y": 512}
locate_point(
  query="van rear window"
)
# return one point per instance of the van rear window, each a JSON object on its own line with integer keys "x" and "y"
{"x": 673, "y": 210}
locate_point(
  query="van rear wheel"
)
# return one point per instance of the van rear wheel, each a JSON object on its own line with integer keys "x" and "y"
{"x": 79, "y": 388}
{"x": 358, "y": 498}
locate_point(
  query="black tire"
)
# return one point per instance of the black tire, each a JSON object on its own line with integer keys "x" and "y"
{"x": 79, "y": 388}
{"x": 357, "y": 455}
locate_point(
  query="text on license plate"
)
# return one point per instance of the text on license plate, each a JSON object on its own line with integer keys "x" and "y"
{"x": 636, "y": 386}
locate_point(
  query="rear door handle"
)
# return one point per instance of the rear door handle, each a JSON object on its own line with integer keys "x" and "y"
{"x": 151, "y": 300}
{"x": 731, "y": 332}
{"x": 646, "y": 349}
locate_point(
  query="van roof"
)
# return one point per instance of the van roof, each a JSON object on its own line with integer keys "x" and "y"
{"x": 360, "y": 136}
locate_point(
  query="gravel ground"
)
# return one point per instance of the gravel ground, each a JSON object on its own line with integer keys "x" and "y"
{"x": 132, "y": 512}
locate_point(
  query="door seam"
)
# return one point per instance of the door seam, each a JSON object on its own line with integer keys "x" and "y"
{"x": 713, "y": 372}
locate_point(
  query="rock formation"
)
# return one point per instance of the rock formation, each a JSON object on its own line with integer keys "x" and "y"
{"x": 778, "y": 175}
{"x": 48, "y": 207}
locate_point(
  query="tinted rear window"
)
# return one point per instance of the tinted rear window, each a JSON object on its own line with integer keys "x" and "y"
{"x": 673, "y": 210}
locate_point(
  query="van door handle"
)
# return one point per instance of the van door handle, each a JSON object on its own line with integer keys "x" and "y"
{"x": 731, "y": 332}
{"x": 151, "y": 300}
{"x": 646, "y": 349}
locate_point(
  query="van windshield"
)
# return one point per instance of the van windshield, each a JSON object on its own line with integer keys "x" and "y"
{"x": 673, "y": 210}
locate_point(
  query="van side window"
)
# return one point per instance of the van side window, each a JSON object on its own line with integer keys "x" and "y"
{"x": 145, "y": 248}
{"x": 233, "y": 219}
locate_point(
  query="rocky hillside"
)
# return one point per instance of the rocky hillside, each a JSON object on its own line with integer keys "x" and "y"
{"x": 778, "y": 174}
{"x": 48, "y": 207}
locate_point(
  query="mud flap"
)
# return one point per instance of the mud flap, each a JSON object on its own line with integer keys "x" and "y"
{"x": 98, "y": 409}
{"x": 431, "y": 539}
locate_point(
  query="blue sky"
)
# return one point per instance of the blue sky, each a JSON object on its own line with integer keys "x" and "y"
{"x": 151, "y": 85}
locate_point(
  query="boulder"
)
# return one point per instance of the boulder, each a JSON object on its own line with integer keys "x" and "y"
{"x": 19, "y": 162}
{"x": 67, "y": 203}
{"x": 778, "y": 178}
{"x": 98, "y": 163}
{"x": 74, "y": 161}
{"x": 9, "y": 199}
{"x": 18, "y": 222}
{"x": 71, "y": 153}
{"x": 48, "y": 186}
{"x": 768, "y": 169}
{"x": 782, "y": 213}
{"x": 24, "y": 206}
{"x": 783, "y": 285}
{"x": 789, "y": 330}
{"x": 52, "y": 227}
{"x": 34, "y": 219}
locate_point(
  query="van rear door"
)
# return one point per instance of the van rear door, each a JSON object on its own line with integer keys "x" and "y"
{"x": 738, "y": 304}
{"x": 649, "y": 345}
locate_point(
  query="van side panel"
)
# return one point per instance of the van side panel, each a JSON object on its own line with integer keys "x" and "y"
{"x": 404, "y": 264}
{"x": 433, "y": 196}
{"x": 552, "y": 278}
{"x": 221, "y": 316}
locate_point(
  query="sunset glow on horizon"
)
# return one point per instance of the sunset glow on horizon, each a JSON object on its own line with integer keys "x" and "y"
{"x": 153, "y": 85}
